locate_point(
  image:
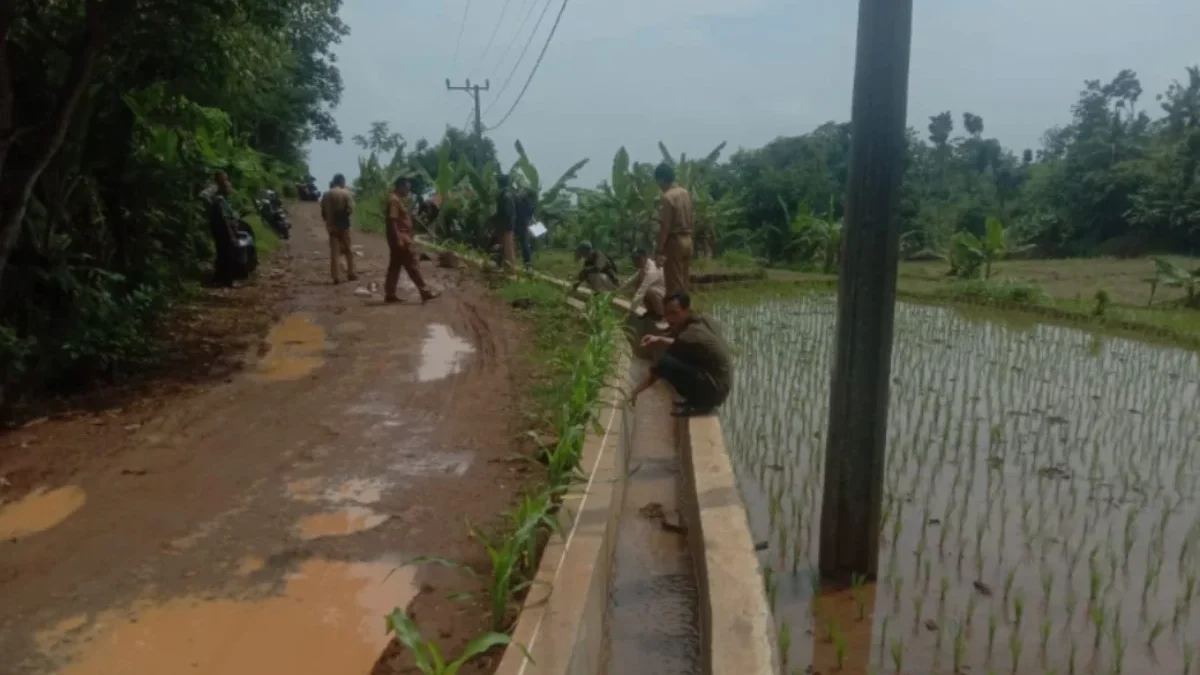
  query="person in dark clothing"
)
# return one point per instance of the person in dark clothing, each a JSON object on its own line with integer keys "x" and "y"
{"x": 506, "y": 221}
{"x": 599, "y": 271}
{"x": 524, "y": 218}
{"x": 697, "y": 362}
{"x": 222, "y": 222}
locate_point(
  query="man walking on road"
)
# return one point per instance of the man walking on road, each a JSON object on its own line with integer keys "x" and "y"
{"x": 337, "y": 205}
{"x": 402, "y": 248}
{"x": 648, "y": 285}
{"x": 697, "y": 362}
{"x": 676, "y": 220}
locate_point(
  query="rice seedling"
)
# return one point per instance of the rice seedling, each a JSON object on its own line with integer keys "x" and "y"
{"x": 1041, "y": 461}
{"x": 960, "y": 648}
{"x": 1014, "y": 651}
{"x": 785, "y": 642}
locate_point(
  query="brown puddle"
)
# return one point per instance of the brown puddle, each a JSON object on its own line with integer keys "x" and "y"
{"x": 296, "y": 346}
{"x": 340, "y": 523}
{"x": 330, "y": 619}
{"x": 442, "y": 354}
{"x": 39, "y": 511}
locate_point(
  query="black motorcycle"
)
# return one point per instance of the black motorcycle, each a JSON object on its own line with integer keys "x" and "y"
{"x": 308, "y": 190}
{"x": 274, "y": 216}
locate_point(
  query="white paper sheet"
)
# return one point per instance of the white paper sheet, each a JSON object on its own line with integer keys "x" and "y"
{"x": 537, "y": 229}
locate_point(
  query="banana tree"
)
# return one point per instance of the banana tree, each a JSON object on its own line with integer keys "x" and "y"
{"x": 626, "y": 203}
{"x": 996, "y": 245}
{"x": 1167, "y": 273}
{"x": 547, "y": 207}
{"x": 814, "y": 235}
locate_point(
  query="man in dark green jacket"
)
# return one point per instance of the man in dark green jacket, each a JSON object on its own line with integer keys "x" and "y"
{"x": 599, "y": 271}
{"x": 698, "y": 362}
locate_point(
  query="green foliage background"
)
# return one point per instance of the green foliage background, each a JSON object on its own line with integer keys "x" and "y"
{"x": 115, "y": 114}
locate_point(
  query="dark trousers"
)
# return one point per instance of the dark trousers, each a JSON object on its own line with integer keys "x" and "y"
{"x": 689, "y": 381}
{"x": 525, "y": 241}
{"x": 403, "y": 255}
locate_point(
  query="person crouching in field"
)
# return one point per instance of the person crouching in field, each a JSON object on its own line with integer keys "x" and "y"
{"x": 697, "y": 362}
{"x": 648, "y": 282}
{"x": 599, "y": 271}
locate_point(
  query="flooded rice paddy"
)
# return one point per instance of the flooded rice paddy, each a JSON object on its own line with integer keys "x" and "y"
{"x": 1040, "y": 509}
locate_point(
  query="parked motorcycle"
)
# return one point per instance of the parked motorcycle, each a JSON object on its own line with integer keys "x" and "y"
{"x": 274, "y": 216}
{"x": 308, "y": 190}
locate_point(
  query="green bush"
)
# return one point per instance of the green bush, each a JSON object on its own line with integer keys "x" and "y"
{"x": 996, "y": 290}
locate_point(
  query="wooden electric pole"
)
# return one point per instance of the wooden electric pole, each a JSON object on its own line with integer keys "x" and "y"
{"x": 858, "y": 401}
{"x": 473, "y": 90}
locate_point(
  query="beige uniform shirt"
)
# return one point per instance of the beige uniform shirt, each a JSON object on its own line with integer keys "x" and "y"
{"x": 676, "y": 213}
{"x": 647, "y": 278}
{"x": 333, "y": 202}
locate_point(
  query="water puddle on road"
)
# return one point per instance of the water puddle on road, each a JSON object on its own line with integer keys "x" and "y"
{"x": 442, "y": 354}
{"x": 39, "y": 511}
{"x": 295, "y": 349}
{"x": 340, "y": 523}
{"x": 357, "y": 490}
{"x": 329, "y": 619}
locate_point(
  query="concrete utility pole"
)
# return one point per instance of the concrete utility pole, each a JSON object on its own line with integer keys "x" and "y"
{"x": 858, "y": 401}
{"x": 474, "y": 91}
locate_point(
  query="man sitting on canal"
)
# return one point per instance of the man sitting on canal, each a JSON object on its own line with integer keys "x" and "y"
{"x": 599, "y": 272}
{"x": 697, "y": 361}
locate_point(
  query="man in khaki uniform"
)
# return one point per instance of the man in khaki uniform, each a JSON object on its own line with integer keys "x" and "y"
{"x": 676, "y": 220}
{"x": 337, "y": 205}
{"x": 402, "y": 248}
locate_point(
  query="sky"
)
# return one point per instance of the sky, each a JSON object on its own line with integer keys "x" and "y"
{"x": 694, "y": 73}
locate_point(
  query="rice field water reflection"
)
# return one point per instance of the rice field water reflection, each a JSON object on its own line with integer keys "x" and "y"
{"x": 1040, "y": 509}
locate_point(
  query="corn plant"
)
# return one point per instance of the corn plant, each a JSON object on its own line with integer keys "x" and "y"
{"x": 428, "y": 657}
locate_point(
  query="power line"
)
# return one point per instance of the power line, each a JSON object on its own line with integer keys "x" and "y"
{"x": 462, "y": 26}
{"x": 517, "y": 65}
{"x": 492, "y": 39}
{"x": 533, "y": 72}
{"x": 520, "y": 29}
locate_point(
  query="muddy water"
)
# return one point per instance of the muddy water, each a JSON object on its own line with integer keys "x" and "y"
{"x": 653, "y": 622}
{"x": 442, "y": 354}
{"x": 295, "y": 348}
{"x": 327, "y": 619}
{"x": 39, "y": 511}
{"x": 340, "y": 523}
{"x": 1041, "y": 492}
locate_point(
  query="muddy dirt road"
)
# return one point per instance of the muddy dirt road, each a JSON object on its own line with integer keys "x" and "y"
{"x": 255, "y": 526}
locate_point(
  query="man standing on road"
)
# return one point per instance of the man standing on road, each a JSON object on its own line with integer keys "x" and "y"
{"x": 599, "y": 272}
{"x": 648, "y": 282}
{"x": 222, "y": 223}
{"x": 337, "y": 205}
{"x": 402, "y": 248}
{"x": 676, "y": 220}
{"x": 506, "y": 221}
{"x": 697, "y": 362}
